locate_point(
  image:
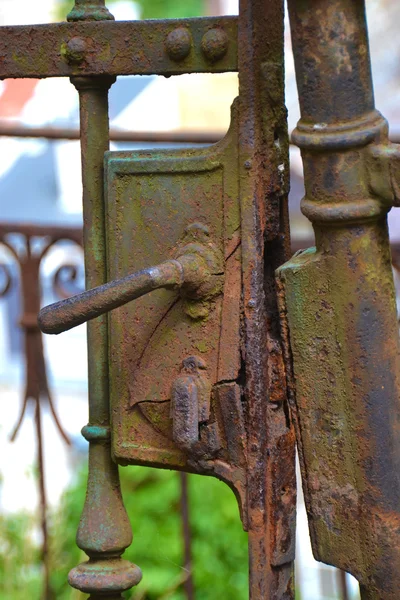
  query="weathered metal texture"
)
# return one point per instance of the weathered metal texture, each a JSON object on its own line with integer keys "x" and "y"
{"x": 264, "y": 174}
{"x": 160, "y": 193}
{"x": 338, "y": 304}
{"x": 94, "y": 10}
{"x": 215, "y": 362}
{"x": 104, "y": 530}
{"x": 109, "y": 48}
{"x": 121, "y": 135}
{"x": 197, "y": 272}
{"x": 28, "y": 246}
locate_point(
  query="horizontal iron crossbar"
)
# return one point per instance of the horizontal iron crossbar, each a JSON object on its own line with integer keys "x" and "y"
{"x": 119, "y": 48}
{"x": 124, "y": 135}
{"x": 116, "y": 135}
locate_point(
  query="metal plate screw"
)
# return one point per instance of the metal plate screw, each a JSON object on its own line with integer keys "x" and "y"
{"x": 178, "y": 44}
{"x": 214, "y": 44}
{"x": 75, "y": 50}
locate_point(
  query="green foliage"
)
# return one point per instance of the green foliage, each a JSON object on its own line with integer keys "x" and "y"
{"x": 219, "y": 543}
{"x": 20, "y": 568}
{"x": 169, "y": 9}
{"x": 152, "y": 497}
{"x": 151, "y": 9}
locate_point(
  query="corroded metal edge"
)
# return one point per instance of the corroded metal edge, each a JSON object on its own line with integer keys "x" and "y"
{"x": 104, "y": 530}
{"x": 114, "y": 48}
{"x": 263, "y": 173}
{"x": 337, "y": 303}
{"x": 135, "y": 444}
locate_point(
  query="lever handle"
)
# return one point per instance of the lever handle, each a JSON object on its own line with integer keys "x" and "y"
{"x": 69, "y": 313}
{"x": 194, "y": 272}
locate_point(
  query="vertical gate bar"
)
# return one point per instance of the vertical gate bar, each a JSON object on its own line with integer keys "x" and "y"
{"x": 36, "y": 388}
{"x": 347, "y": 367}
{"x": 263, "y": 172}
{"x": 43, "y": 502}
{"x": 343, "y": 586}
{"x": 104, "y": 531}
{"x": 93, "y": 99}
{"x": 188, "y": 585}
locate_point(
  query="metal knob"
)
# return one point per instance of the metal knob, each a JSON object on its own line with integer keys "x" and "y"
{"x": 196, "y": 272}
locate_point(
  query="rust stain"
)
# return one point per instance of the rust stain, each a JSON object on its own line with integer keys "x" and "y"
{"x": 337, "y": 303}
{"x": 194, "y": 382}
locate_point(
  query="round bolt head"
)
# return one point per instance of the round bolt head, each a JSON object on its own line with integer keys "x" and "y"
{"x": 214, "y": 44}
{"x": 75, "y": 50}
{"x": 178, "y": 44}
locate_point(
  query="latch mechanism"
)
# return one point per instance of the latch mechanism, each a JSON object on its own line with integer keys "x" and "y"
{"x": 174, "y": 354}
{"x": 197, "y": 272}
{"x": 190, "y": 375}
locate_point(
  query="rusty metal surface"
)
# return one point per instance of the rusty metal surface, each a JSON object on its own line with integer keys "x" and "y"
{"x": 104, "y": 529}
{"x": 121, "y": 135}
{"x": 263, "y": 172}
{"x": 197, "y": 273}
{"x": 229, "y": 413}
{"x": 220, "y": 361}
{"x": 158, "y": 193}
{"x": 338, "y": 303}
{"x": 106, "y": 47}
{"x": 21, "y": 242}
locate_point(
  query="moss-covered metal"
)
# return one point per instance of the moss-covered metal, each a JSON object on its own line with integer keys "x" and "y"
{"x": 338, "y": 305}
{"x": 107, "y": 47}
{"x": 191, "y": 383}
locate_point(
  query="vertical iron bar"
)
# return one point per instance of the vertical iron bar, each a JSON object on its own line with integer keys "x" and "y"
{"x": 93, "y": 99}
{"x": 36, "y": 384}
{"x": 347, "y": 383}
{"x": 188, "y": 585}
{"x": 342, "y": 583}
{"x": 43, "y": 502}
{"x": 104, "y": 531}
{"x": 263, "y": 172}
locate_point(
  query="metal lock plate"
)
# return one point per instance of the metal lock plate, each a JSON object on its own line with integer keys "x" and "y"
{"x": 158, "y": 201}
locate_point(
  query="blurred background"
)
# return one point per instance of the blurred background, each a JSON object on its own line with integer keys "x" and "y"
{"x": 43, "y": 471}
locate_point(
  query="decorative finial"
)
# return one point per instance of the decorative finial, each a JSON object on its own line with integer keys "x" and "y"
{"x": 90, "y": 10}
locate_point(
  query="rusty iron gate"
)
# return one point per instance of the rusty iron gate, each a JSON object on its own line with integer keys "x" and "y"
{"x": 227, "y": 354}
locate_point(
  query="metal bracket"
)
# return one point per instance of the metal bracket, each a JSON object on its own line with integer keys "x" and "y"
{"x": 152, "y": 197}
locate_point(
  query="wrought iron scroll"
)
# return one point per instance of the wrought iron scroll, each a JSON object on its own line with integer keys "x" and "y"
{"x": 28, "y": 246}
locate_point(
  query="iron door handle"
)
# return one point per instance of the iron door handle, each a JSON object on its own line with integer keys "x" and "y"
{"x": 196, "y": 272}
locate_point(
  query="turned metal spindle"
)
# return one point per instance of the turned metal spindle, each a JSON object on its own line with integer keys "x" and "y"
{"x": 90, "y": 10}
{"x": 104, "y": 531}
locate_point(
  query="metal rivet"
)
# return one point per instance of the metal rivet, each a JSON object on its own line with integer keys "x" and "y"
{"x": 214, "y": 44}
{"x": 252, "y": 303}
{"x": 178, "y": 44}
{"x": 75, "y": 50}
{"x": 247, "y": 165}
